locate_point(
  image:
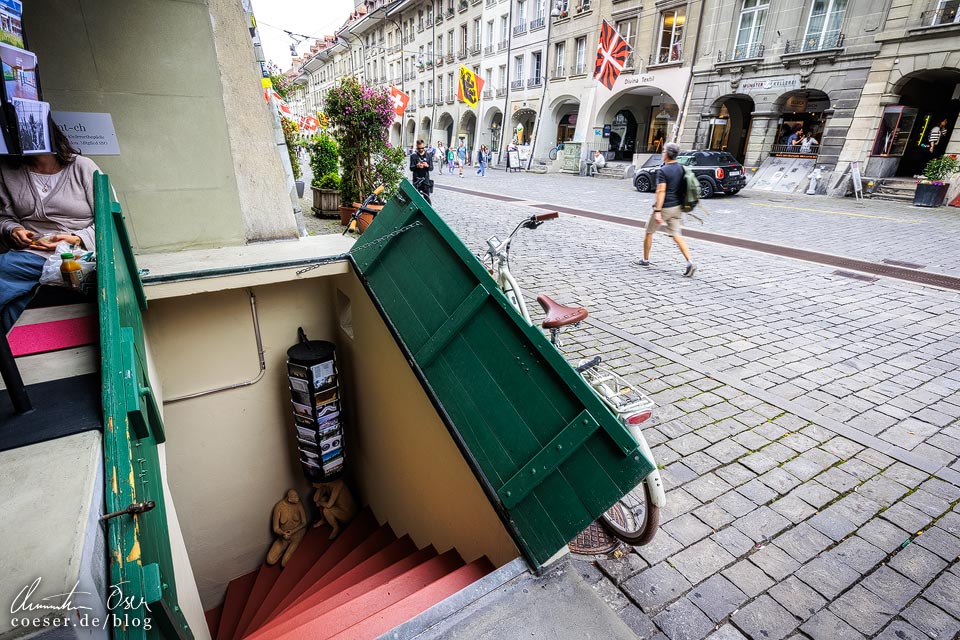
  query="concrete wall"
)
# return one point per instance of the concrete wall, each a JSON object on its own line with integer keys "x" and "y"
{"x": 197, "y": 166}
{"x": 231, "y": 455}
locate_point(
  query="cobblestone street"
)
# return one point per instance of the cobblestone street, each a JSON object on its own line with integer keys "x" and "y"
{"x": 808, "y": 422}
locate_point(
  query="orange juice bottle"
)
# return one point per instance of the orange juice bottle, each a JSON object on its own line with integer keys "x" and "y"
{"x": 70, "y": 270}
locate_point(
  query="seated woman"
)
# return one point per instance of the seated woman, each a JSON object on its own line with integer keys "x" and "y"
{"x": 40, "y": 195}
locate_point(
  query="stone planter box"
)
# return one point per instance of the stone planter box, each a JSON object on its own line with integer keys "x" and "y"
{"x": 930, "y": 195}
{"x": 325, "y": 201}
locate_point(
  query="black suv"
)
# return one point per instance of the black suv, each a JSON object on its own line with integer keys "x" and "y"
{"x": 716, "y": 171}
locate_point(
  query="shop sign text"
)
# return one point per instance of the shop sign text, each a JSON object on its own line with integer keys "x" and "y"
{"x": 777, "y": 83}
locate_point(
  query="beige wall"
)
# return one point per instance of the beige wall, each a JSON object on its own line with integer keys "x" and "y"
{"x": 183, "y": 179}
{"x": 231, "y": 455}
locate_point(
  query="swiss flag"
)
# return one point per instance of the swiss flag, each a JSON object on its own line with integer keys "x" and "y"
{"x": 400, "y": 101}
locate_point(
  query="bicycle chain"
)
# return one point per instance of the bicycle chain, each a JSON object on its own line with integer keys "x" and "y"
{"x": 343, "y": 256}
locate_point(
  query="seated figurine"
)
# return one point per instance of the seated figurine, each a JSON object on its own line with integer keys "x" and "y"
{"x": 336, "y": 504}
{"x": 290, "y": 524}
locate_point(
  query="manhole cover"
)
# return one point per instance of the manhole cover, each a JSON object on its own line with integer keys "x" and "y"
{"x": 594, "y": 540}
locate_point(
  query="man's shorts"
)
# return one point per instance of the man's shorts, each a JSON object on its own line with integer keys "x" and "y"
{"x": 672, "y": 216}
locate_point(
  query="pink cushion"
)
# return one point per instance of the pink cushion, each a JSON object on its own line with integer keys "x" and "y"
{"x": 29, "y": 339}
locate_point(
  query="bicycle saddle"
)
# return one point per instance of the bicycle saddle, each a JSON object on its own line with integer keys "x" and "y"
{"x": 559, "y": 315}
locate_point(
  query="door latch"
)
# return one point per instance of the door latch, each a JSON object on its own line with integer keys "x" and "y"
{"x": 136, "y": 507}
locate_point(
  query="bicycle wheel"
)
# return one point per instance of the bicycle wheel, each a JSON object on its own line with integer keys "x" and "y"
{"x": 553, "y": 154}
{"x": 640, "y": 528}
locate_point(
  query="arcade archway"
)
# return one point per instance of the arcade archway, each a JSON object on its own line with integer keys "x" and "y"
{"x": 729, "y": 125}
{"x": 928, "y": 108}
{"x": 467, "y": 131}
{"x": 493, "y": 126}
{"x": 640, "y": 120}
{"x": 445, "y": 128}
{"x": 523, "y": 121}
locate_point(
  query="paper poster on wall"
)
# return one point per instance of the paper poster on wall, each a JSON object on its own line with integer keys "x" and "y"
{"x": 91, "y": 133}
{"x": 32, "y": 119}
{"x": 19, "y": 73}
{"x": 11, "y": 27}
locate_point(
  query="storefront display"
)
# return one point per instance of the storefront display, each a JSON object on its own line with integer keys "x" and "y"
{"x": 315, "y": 397}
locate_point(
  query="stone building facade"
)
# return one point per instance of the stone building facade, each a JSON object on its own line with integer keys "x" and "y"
{"x": 736, "y": 75}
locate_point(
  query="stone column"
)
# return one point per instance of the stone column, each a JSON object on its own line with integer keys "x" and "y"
{"x": 763, "y": 132}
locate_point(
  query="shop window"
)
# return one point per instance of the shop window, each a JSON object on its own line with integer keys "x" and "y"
{"x": 753, "y": 17}
{"x": 823, "y": 26}
{"x": 670, "y": 47}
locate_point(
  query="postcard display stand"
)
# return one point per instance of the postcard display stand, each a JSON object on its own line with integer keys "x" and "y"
{"x": 24, "y": 117}
{"x": 315, "y": 391}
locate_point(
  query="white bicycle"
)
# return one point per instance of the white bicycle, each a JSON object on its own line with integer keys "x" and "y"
{"x": 635, "y": 524}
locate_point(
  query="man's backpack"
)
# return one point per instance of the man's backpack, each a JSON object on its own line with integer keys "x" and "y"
{"x": 691, "y": 195}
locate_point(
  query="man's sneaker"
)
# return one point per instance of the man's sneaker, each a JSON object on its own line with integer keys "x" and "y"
{"x": 691, "y": 269}
{"x": 642, "y": 263}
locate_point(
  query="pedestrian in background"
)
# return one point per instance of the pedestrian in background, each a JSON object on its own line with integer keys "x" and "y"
{"x": 667, "y": 207}
{"x": 450, "y": 157}
{"x": 441, "y": 156}
{"x": 461, "y": 157}
{"x": 482, "y": 161}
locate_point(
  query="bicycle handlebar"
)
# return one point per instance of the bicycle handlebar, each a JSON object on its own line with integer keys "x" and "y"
{"x": 550, "y": 215}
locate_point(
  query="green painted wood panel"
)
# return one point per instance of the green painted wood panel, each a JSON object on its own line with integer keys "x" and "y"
{"x": 549, "y": 453}
{"x": 141, "y": 562}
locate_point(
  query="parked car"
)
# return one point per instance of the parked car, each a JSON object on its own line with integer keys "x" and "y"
{"x": 716, "y": 171}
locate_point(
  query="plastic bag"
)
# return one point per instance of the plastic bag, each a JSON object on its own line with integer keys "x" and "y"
{"x": 51, "y": 268}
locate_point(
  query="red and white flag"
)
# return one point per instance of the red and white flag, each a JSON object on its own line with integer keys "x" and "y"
{"x": 612, "y": 53}
{"x": 400, "y": 101}
{"x": 310, "y": 124}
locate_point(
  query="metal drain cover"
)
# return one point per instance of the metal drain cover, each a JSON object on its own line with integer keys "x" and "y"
{"x": 594, "y": 540}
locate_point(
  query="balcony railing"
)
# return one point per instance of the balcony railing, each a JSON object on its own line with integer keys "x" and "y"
{"x": 487, "y": 50}
{"x": 516, "y": 84}
{"x": 938, "y": 17}
{"x": 475, "y": 50}
{"x": 397, "y": 80}
{"x": 409, "y": 76}
{"x": 559, "y": 72}
{"x": 535, "y": 82}
{"x": 451, "y": 98}
{"x": 630, "y": 63}
{"x": 795, "y": 150}
{"x": 814, "y": 43}
{"x": 520, "y": 29}
{"x": 449, "y": 57}
{"x": 450, "y": 13}
{"x": 429, "y": 64}
{"x": 411, "y": 107}
{"x": 439, "y": 61}
{"x": 475, "y": 2}
{"x": 462, "y": 53}
{"x": 538, "y": 23}
{"x": 439, "y": 19}
{"x": 580, "y": 69}
{"x": 742, "y": 52}
{"x": 667, "y": 55}
{"x": 491, "y": 3}
{"x": 487, "y": 94}
{"x": 501, "y": 92}
{"x": 420, "y": 28}
{"x": 428, "y": 102}
{"x": 501, "y": 45}
{"x": 463, "y": 6}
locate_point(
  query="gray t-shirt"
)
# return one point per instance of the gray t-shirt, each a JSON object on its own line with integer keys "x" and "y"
{"x": 671, "y": 175}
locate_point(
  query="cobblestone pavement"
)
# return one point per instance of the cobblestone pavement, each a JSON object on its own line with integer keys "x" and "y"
{"x": 788, "y": 515}
{"x": 874, "y": 231}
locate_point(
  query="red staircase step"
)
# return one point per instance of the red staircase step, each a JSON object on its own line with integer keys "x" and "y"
{"x": 314, "y": 543}
{"x": 347, "y": 614}
{"x": 213, "y": 620}
{"x": 232, "y": 608}
{"x": 52, "y": 336}
{"x": 265, "y": 578}
{"x": 341, "y": 591}
{"x": 361, "y": 539}
{"x": 415, "y": 604}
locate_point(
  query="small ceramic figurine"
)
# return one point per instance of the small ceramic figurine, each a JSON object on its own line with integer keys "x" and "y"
{"x": 290, "y": 524}
{"x": 335, "y": 503}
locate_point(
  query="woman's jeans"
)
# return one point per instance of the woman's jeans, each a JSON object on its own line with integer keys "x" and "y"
{"x": 19, "y": 274}
{"x": 483, "y": 168}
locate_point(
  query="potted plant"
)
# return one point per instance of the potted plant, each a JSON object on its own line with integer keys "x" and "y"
{"x": 932, "y": 188}
{"x": 326, "y": 194}
{"x": 362, "y": 116}
{"x": 323, "y": 163}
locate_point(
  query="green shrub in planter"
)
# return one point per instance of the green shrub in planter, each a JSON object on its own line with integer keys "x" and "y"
{"x": 329, "y": 181}
{"x": 324, "y": 155}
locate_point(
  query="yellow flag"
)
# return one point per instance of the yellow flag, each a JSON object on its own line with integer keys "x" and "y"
{"x": 470, "y": 86}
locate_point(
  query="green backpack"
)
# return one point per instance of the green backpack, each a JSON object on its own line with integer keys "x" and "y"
{"x": 691, "y": 196}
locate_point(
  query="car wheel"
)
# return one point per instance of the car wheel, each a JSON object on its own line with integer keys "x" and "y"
{"x": 642, "y": 183}
{"x": 706, "y": 189}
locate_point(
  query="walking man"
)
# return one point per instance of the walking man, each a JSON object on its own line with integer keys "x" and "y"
{"x": 461, "y": 157}
{"x": 666, "y": 208}
{"x": 441, "y": 155}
